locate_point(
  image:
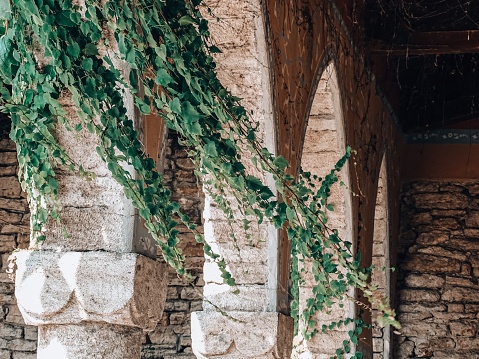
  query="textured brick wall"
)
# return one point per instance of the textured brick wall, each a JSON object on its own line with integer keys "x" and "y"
{"x": 17, "y": 341}
{"x": 172, "y": 335}
{"x": 438, "y": 291}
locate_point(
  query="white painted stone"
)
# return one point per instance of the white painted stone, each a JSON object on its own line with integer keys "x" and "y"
{"x": 244, "y": 273}
{"x": 251, "y": 298}
{"x": 74, "y": 287}
{"x": 89, "y": 341}
{"x": 241, "y": 335}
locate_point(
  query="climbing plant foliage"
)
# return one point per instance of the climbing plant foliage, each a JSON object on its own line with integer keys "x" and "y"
{"x": 58, "y": 54}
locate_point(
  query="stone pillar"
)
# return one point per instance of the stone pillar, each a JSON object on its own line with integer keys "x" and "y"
{"x": 92, "y": 286}
{"x": 89, "y": 304}
{"x": 250, "y": 326}
{"x": 89, "y": 293}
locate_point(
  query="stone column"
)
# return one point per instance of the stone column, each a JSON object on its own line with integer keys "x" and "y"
{"x": 91, "y": 292}
{"x": 92, "y": 286}
{"x": 250, "y": 326}
{"x": 89, "y": 304}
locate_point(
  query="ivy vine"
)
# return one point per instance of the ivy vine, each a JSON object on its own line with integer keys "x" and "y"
{"x": 52, "y": 50}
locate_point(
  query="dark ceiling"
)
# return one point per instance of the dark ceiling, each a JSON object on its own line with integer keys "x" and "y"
{"x": 425, "y": 54}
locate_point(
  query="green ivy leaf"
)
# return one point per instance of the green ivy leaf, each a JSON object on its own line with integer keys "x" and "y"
{"x": 186, "y": 20}
{"x": 90, "y": 50}
{"x": 280, "y": 162}
{"x": 5, "y": 10}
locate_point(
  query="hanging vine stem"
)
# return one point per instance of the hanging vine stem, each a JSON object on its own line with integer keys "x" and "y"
{"x": 165, "y": 45}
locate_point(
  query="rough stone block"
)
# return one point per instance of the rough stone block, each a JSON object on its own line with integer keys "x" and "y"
{"x": 439, "y": 251}
{"x": 14, "y": 315}
{"x": 463, "y": 329}
{"x": 22, "y": 345}
{"x": 20, "y": 355}
{"x": 10, "y": 332}
{"x": 254, "y": 335}
{"x": 441, "y": 200}
{"x": 73, "y": 287}
{"x": 89, "y": 341}
{"x": 455, "y": 308}
{"x": 19, "y": 205}
{"x": 461, "y": 295}
{"x": 432, "y": 238}
{"x": 10, "y": 187}
{"x": 8, "y": 158}
{"x": 107, "y": 231}
{"x": 418, "y": 295}
{"x": 424, "y": 281}
{"x": 431, "y": 264}
{"x": 472, "y": 221}
{"x": 423, "y": 329}
{"x": 249, "y": 299}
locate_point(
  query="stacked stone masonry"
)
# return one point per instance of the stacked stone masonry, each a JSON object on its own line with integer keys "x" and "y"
{"x": 171, "y": 338}
{"x": 438, "y": 289}
{"x": 17, "y": 340}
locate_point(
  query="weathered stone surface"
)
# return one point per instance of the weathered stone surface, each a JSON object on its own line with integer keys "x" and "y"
{"x": 439, "y": 251}
{"x": 21, "y": 355}
{"x": 439, "y": 265}
{"x": 10, "y": 187}
{"x": 14, "y": 205}
{"x": 441, "y": 200}
{"x": 433, "y": 238}
{"x": 8, "y": 158}
{"x": 463, "y": 329}
{"x": 73, "y": 287}
{"x": 75, "y": 341}
{"x": 410, "y": 295}
{"x": 422, "y": 328}
{"x": 472, "y": 221}
{"x": 431, "y": 264}
{"x": 249, "y": 335}
{"x": 461, "y": 295}
{"x": 424, "y": 281}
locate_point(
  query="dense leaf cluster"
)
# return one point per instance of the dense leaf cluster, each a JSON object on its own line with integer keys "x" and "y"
{"x": 52, "y": 51}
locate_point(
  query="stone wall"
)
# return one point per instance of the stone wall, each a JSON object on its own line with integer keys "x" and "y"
{"x": 171, "y": 338}
{"x": 17, "y": 341}
{"x": 438, "y": 262}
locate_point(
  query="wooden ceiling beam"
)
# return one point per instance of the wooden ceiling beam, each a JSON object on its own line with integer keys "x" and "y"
{"x": 430, "y": 43}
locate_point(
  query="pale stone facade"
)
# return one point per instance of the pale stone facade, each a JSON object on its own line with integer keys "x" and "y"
{"x": 252, "y": 328}
{"x": 66, "y": 288}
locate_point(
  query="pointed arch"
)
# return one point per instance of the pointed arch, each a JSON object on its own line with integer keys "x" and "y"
{"x": 381, "y": 274}
{"x": 324, "y": 144}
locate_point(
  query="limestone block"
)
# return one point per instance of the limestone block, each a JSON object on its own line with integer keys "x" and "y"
{"x": 410, "y": 295}
{"x": 97, "y": 207}
{"x": 106, "y": 231}
{"x": 430, "y": 264}
{"x": 424, "y": 281}
{"x": 250, "y": 298}
{"x": 241, "y": 335}
{"x": 88, "y": 341}
{"x": 244, "y": 273}
{"x": 10, "y": 187}
{"x": 73, "y": 287}
{"x": 441, "y": 200}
